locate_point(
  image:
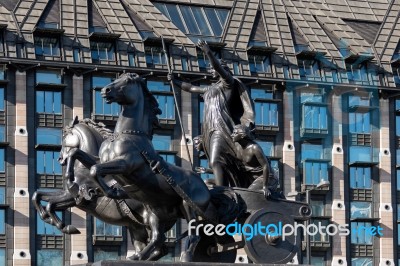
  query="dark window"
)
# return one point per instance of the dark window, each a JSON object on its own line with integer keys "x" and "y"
{"x": 396, "y": 75}
{"x": 236, "y": 68}
{"x": 2, "y": 50}
{"x": 77, "y": 55}
{"x": 359, "y": 74}
{"x": 48, "y": 76}
{"x": 162, "y": 92}
{"x": 102, "y": 51}
{"x": 155, "y": 56}
{"x": 131, "y": 59}
{"x": 2, "y": 74}
{"x": 47, "y": 46}
{"x": 105, "y": 229}
{"x": 315, "y": 169}
{"x": 204, "y": 163}
{"x": 185, "y": 63}
{"x": 318, "y": 261}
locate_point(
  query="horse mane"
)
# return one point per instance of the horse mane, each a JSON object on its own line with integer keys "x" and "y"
{"x": 99, "y": 127}
{"x": 151, "y": 102}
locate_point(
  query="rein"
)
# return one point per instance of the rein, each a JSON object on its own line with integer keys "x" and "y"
{"x": 114, "y": 136}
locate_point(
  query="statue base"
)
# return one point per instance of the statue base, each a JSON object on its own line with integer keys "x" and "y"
{"x": 151, "y": 263}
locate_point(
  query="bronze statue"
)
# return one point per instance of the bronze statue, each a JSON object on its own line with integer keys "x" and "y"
{"x": 226, "y": 104}
{"x": 127, "y": 167}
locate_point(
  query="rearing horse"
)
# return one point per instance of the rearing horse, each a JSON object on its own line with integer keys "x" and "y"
{"x": 82, "y": 191}
{"x": 130, "y": 157}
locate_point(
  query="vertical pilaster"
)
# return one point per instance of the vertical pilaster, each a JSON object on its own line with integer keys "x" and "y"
{"x": 337, "y": 182}
{"x": 385, "y": 248}
{"x": 21, "y": 254}
{"x": 78, "y": 217}
{"x": 288, "y": 154}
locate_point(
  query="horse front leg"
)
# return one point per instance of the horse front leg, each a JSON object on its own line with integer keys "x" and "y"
{"x": 98, "y": 171}
{"x": 39, "y": 196}
{"x": 86, "y": 159}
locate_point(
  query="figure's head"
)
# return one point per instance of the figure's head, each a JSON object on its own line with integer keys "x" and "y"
{"x": 225, "y": 66}
{"x": 240, "y": 132}
{"x": 123, "y": 90}
{"x": 198, "y": 143}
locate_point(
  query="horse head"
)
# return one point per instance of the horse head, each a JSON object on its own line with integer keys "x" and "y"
{"x": 131, "y": 92}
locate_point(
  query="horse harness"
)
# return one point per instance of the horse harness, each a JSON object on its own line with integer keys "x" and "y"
{"x": 160, "y": 167}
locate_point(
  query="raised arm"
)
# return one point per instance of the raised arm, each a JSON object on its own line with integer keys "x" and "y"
{"x": 185, "y": 85}
{"x": 215, "y": 62}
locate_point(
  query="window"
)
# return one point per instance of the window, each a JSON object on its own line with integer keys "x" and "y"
{"x": 185, "y": 63}
{"x": 105, "y": 254}
{"x": 314, "y": 114}
{"x": 171, "y": 233}
{"x": 105, "y": 229}
{"x": 359, "y": 209}
{"x": 315, "y": 168}
{"x": 318, "y": 261}
{"x": 131, "y": 59}
{"x": 52, "y": 136}
{"x": 320, "y": 237}
{"x": 49, "y": 257}
{"x": 204, "y": 163}
{"x": 46, "y": 163}
{"x": 259, "y": 64}
{"x": 100, "y": 105}
{"x": 102, "y": 51}
{"x": 48, "y": 102}
{"x": 195, "y": 21}
{"x": 47, "y": 46}
{"x": 361, "y": 261}
{"x": 48, "y": 77}
{"x": 163, "y": 144}
{"x": 2, "y": 222}
{"x": 359, "y": 73}
{"x": 77, "y": 55}
{"x": 359, "y": 235}
{"x": 360, "y": 178}
{"x": 360, "y": 154}
{"x": 309, "y": 69}
{"x": 155, "y": 56}
{"x": 396, "y": 75}
{"x": 266, "y": 109}
{"x": 162, "y": 92}
{"x": 360, "y": 122}
{"x": 2, "y": 49}
{"x": 43, "y": 228}
{"x": 2, "y": 74}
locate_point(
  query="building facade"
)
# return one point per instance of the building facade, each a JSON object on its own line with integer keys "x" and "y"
{"x": 325, "y": 79}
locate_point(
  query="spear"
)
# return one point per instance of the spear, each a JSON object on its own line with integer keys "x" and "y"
{"x": 175, "y": 99}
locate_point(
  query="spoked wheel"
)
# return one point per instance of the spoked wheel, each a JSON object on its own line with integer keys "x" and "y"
{"x": 210, "y": 249}
{"x": 264, "y": 248}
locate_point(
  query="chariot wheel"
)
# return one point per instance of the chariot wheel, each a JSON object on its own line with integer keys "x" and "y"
{"x": 264, "y": 248}
{"x": 206, "y": 249}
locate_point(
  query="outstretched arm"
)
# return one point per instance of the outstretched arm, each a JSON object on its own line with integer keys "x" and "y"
{"x": 185, "y": 85}
{"x": 215, "y": 63}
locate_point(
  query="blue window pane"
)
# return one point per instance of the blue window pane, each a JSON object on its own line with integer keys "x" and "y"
{"x": 175, "y": 16}
{"x": 169, "y": 158}
{"x": 2, "y": 222}
{"x": 259, "y": 64}
{"x": 190, "y": 22}
{"x": 204, "y": 163}
{"x": 267, "y": 147}
{"x": 48, "y": 76}
{"x": 77, "y": 55}
{"x": 360, "y": 177}
{"x": 46, "y": 163}
{"x": 318, "y": 261}
{"x": 2, "y": 256}
{"x": 167, "y": 106}
{"x": 48, "y": 102}
{"x": 311, "y": 151}
{"x": 214, "y": 21}
{"x": 359, "y": 122}
{"x": 155, "y": 56}
{"x": 359, "y": 209}
{"x": 103, "y": 108}
{"x": 47, "y": 46}
{"x": 360, "y": 154}
{"x": 2, "y": 72}
{"x": 266, "y": 113}
{"x": 358, "y": 101}
{"x": 100, "y": 254}
{"x": 131, "y": 59}
{"x": 358, "y": 235}
{"x": 48, "y": 136}
{"x": 43, "y": 228}
{"x": 1, "y": 99}
{"x": 184, "y": 61}
{"x": 315, "y": 172}
{"x": 162, "y": 142}
{"x": 2, "y": 195}
{"x": 2, "y": 161}
{"x": 102, "y": 51}
{"x": 158, "y": 86}
{"x": 222, "y": 15}
{"x": 308, "y": 97}
{"x": 2, "y": 133}
{"x": 201, "y": 21}
{"x": 315, "y": 117}
{"x": 261, "y": 94}
{"x": 361, "y": 262}
{"x": 101, "y": 81}
{"x": 398, "y": 179}
{"x": 49, "y": 257}
{"x": 105, "y": 229}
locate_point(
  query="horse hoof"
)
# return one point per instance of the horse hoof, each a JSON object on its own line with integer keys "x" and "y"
{"x": 70, "y": 230}
{"x": 186, "y": 256}
{"x": 135, "y": 256}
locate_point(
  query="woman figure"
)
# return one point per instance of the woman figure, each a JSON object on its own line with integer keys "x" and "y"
{"x": 226, "y": 104}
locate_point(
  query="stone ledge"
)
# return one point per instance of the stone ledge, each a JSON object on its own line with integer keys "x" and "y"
{"x": 151, "y": 263}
